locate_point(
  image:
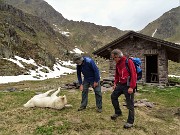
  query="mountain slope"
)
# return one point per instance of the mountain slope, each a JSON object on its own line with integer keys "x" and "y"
{"x": 166, "y": 27}
{"x": 39, "y": 8}
{"x": 35, "y": 30}
{"x": 28, "y": 36}
{"x": 87, "y": 36}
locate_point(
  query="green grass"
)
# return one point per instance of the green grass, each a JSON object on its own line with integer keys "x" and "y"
{"x": 15, "y": 119}
{"x": 173, "y": 68}
{"x": 169, "y": 96}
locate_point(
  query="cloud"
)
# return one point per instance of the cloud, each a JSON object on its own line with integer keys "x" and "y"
{"x": 123, "y": 14}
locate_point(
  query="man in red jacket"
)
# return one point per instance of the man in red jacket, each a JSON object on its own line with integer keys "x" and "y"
{"x": 124, "y": 83}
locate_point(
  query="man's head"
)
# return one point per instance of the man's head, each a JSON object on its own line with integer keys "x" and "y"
{"x": 78, "y": 59}
{"x": 116, "y": 54}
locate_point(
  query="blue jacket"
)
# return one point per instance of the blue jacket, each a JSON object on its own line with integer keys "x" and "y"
{"x": 89, "y": 69}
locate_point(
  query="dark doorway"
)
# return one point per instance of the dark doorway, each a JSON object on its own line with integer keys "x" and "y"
{"x": 152, "y": 69}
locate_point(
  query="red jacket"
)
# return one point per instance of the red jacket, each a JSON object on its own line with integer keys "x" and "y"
{"x": 122, "y": 73}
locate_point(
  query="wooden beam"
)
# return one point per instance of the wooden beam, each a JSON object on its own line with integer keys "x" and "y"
{"x": 158, "y": 46}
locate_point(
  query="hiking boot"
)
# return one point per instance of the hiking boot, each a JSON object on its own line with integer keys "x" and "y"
{"x": 128, "y": 125}
{"x": 99, "y": 110}
{"x": 114, "y": 117}
{"x": 81, "y": 108}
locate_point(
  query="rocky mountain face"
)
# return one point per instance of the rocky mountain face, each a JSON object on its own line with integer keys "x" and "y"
{"x": 166, "y": 27}
{"x": 85, "y": 35}
{"x": 28, "y": 36}
{"x": 33, "y": 29}
{"x": 38, "y": 8}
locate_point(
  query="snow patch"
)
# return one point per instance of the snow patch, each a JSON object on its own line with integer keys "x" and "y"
{"x": 154, "y": 33}
{"x": 38, "y": 74}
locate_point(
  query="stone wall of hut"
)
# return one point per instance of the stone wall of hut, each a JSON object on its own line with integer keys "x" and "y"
{"x": 137, "y": 47}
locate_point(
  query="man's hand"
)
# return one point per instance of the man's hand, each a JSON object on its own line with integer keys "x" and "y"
{"x": 114, "y": 86}
{"x": 130, "y": 90}
{"x": 81, "y": 87}
{"x": 95, "y": 84}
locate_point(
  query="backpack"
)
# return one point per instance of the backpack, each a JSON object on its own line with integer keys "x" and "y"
{"x": 137, "y": 63}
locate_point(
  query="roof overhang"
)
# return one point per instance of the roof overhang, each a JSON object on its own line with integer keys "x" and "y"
{"x": 173, "y": 50}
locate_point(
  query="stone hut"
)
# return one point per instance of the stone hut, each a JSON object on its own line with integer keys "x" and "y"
{"x": 153, "y": 52}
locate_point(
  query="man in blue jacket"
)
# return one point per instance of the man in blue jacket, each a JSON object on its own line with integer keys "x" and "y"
{"x": 88, "y": 68}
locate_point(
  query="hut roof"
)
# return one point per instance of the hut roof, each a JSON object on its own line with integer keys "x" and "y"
{"x": 173, "y": 50}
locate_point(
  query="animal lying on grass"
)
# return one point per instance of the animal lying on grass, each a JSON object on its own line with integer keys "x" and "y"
{"x": 53, "y": 101}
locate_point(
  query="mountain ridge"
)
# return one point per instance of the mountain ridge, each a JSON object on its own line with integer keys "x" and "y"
{"x": 166, "y": 27}
{"x": 85, "y": 35}
{"x": 44, "y": 34}
{"x": 29, "y": 36}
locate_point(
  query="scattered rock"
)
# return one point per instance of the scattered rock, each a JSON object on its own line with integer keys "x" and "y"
{"x": 11, "y": 89}
{"x": 143, "y": 102}
{"x": 107, "y": 82}
{"x": 178, "y": 112}
{"x": 160, "y": 87}
{"x": 74, "y": 85}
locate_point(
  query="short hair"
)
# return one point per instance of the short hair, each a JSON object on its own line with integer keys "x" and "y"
{"x": 117, "y": 52}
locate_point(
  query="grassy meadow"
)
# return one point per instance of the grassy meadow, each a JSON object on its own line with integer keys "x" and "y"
{"x": 17, "y": 120}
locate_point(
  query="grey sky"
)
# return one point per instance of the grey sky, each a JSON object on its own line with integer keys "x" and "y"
{"x": 123, "y": 14}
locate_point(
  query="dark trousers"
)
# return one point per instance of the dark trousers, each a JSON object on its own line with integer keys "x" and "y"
{"x": 97, "y": 91}
{"x": 123, "y": 89}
